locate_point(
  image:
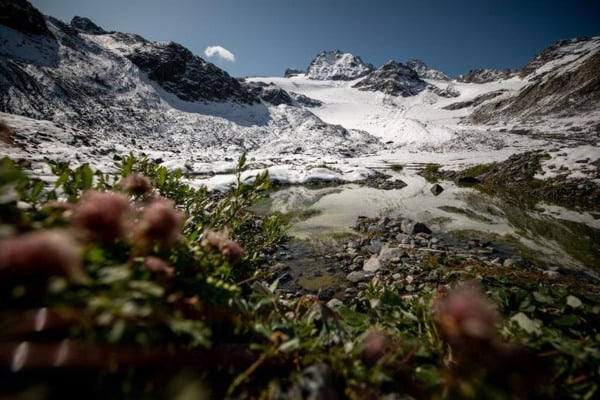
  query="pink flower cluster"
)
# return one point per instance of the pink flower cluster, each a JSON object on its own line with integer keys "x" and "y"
{"x": 98, "y": 217}
{"x": 35, "y": 256}
{"x": 466, "y": 314}
{"x": 103, "y": 216}
{"x": 220, "y": 241}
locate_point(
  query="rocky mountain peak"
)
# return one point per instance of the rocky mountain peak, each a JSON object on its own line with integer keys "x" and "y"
{"x": 337, "y": 65}
{"x": 563, "y": 82}
{"x": 393, "y": 78}
{"x": 85, "y": 25}
{"x": 22, "y": 16}
{"x": 485, "y": 75}
{"x": 425, "y": 72}
{"x": 177, "y": 70}
{"x": 561, "y": 51}
{"x": 291, "y": 72}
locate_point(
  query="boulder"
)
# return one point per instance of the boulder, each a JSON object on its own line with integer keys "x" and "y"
{"x": 437, "y": 189}
{"x": 412, "y": 228}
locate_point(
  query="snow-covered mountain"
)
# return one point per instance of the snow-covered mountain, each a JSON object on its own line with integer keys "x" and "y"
{"x": 486, "y": 75}
{"x": 76, "y": 92}
{"x": 119, "y": 92}
{"x": 336, "y": 65}
{"x": 562, "y": 87}
{"x": 393, "y": 78}
{"x": 425, "y": 72}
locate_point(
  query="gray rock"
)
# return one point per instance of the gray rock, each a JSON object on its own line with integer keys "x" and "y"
{"x": 334, "y": 303}
{"x": 412, "y": 228}
{"x": 358, "y": 276}
{"x": 510, "y": 263}
{"x": 375, "y": 246}
{"x": 372, "y": 264}
{"x": 390, "y": 255}
{"x": 326, "y": 295}
{"x": 437, "y": 189}
{"x": 317, "y": 382}
{"x": 552, "y": 274}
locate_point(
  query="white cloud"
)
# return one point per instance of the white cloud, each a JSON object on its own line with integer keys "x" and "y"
{"x": 221, "y": 52}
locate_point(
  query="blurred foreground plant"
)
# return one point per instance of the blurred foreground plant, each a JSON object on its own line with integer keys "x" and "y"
{"x": 136, "y": 284}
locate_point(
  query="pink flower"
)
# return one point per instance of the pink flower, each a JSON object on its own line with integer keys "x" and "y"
{"x": 375, "y": 346}
{"x": 161, "y": 223}
{"x": 136, "y": 184}
{"x": 229, "y": 249}
{"x": 39, "y": 255}
{"x": 156, "y": 264}
{"x": 103, "y": 215}
{"x": 467, "y": 313}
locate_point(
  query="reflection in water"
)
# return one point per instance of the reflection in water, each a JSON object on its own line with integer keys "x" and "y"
{"x": 551, "y": 235}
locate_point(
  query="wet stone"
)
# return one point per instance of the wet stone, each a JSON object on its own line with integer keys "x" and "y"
{"x": 509, "y": 263}
{"x": 375, "y": 246}
{"x": 437, "y": 189}
{"x": 358, "y": 276}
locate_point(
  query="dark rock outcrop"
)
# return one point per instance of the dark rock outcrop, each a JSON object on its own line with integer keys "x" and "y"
{"x": 180, "y": 72}
{"x": 393, "y": 78}
{"x": 476, "y": 101}
{"x": 305, "y": 100}
{"x": 85, "y": 25}
{"x": 449, "y": 91}
{"x": 22, "y": 16}
{"x": 290, "y": 72}
{"x": 425, "y": 72}
{"x": 271, "y": 93}
{"x": 485, "y": 75}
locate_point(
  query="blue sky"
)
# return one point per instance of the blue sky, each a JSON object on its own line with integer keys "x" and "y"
{"x": 267, "y": 36}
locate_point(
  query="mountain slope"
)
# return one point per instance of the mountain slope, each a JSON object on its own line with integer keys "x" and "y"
{"x": 562, "y": 83}
{"x": 157, "y": 97}
{"x": 75, "y": 90}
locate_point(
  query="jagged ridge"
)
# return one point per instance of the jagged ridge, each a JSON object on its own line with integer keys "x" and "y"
{"x": 336, "y": 65}
{"x": 393, "y": 78}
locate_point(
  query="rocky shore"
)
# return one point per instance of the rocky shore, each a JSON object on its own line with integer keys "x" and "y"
{"x": 394, "y": 252}
{"x": 407, "y": 257}
{"x": 519, "y": 177}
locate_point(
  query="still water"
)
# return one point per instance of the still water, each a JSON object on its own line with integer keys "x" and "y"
{"x": 548, "y": 235}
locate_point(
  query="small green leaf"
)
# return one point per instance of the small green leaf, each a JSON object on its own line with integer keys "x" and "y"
{"x": 566, "y": 320}
{"x": 542, "y": 298}
{"x": 87, "y": 176}
{"x": 161, "y": 176}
